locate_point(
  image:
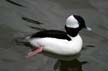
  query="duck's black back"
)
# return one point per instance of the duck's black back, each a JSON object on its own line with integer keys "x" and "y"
{"x": 51, "y": 33}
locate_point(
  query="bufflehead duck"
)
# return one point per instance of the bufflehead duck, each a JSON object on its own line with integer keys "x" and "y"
{"x": 59, "y": 42}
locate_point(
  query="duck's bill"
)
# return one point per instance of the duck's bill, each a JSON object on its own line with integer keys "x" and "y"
{"x": 34, "y": 52}
{"x": 88, "y": 28}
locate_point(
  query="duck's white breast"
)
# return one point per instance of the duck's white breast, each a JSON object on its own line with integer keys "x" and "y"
{"x": 59, "y": 46}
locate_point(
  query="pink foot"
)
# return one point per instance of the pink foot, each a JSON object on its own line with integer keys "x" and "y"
{"x": 31, "y": 54}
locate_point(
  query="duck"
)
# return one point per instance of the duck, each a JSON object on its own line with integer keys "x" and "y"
{"x": 60, "y": 44}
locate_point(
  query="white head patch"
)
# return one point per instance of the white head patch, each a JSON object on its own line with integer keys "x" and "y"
{"x": 72, "y": 22}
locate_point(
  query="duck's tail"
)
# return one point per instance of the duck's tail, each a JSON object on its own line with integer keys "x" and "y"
{"x": 21, "y": 38}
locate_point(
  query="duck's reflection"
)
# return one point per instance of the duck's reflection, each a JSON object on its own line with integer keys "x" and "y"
{"x": 74, "y": 65}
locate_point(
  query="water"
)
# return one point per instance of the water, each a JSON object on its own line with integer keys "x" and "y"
{"x": 52, "y": 13}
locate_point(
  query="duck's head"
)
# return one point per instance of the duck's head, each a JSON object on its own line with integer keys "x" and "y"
{"x": 74, "y": 23}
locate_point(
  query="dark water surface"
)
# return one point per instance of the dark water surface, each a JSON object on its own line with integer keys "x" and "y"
{"x": 19, "y": 17}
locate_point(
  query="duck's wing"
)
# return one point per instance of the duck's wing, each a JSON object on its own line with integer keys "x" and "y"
{"x": 52, "y": 34}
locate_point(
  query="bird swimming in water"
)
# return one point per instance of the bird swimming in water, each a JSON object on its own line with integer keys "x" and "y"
{"x": 59, "y": 43}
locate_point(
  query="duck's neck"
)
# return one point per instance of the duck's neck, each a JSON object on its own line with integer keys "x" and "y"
{"x": 72, "y": 31}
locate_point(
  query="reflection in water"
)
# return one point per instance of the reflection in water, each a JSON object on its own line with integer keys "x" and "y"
{"x": 14, "y": 3}
{"x": 74, "y": 65}
{"x": 31, "y": 20}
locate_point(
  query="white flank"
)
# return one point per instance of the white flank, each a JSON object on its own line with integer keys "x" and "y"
{"x": 59, "y": 46}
